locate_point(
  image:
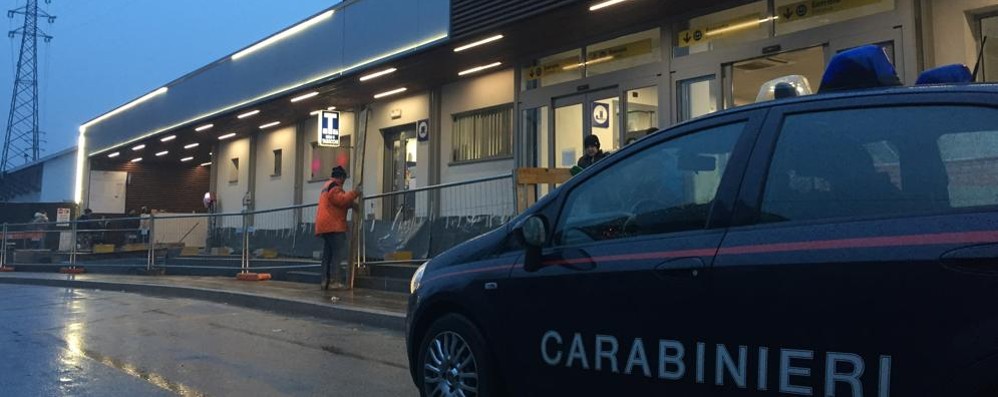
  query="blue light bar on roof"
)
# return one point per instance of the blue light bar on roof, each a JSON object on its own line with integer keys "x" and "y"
{"x": 859, "y": 68}
{"x": 949, "y": 74}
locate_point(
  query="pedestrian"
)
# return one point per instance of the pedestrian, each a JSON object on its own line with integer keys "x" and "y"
{"x": 592, "y": 152}
{"x": 40, "y": 219}
{"x": 84, "y": 222}
{"x": 331, "y": 226}
{"x": 144, "y": 216}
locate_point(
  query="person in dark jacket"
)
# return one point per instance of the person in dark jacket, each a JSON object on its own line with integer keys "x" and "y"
{"x": 592, "y": 152}
{"x": 331, "y": 226}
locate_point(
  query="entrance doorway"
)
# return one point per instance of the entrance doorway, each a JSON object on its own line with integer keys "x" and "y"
{"x": 400, "y": 168}
{"x": 578, "y": 116}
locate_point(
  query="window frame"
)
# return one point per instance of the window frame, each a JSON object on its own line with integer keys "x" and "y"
{"x": 509, "y": 106}
{"x": 278, "y": 162}
{"x": 753, "y": 189}
{"x": 979, "y": 35}
{"x": 727, "y": 191}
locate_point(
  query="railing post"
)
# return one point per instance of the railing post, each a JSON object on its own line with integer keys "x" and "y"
{"x": 151, "y": 256}
{"x": 75, "y": 242}
{"x": 245, "y": 256}
{"x": 3, "y": 253}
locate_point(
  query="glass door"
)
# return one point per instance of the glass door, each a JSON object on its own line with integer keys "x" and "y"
{"x": 578, "y": 116}
{"x": 400, "y": 170}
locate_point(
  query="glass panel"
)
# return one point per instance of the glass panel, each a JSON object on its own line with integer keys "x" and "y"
{"x": 567, "y": 135}
{"x": 723, "y": 29}
{"x": 605, "y": 115}
{"x": 989, "y": 29}
{"x": 666, "y": 188}
{"x": 623, "y": 52}
{"x": 697, "y": 97}
{"x": 535, "y": 144}
{"x": 324, "y": 159}
{"x": 482, "y": 135}
{"x": 748, "y": 76}
{"x": 554, "y": 69}
{"x": 642, "y": 113}
{"x": 795, "y": 15}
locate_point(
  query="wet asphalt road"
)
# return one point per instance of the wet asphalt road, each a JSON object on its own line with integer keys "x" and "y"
{"x": 66, "y": 342}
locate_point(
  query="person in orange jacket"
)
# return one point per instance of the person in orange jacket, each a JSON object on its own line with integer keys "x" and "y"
{"x": 331, "y": 226}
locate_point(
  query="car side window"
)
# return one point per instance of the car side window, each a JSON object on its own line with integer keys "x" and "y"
{"x": 882, "y": 161}
{"x": 668, "y": 187}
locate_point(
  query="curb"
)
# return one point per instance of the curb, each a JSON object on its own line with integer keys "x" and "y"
{"x": 369, "y": 317}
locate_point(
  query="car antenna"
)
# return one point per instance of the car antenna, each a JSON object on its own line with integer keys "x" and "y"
{"x": 980, "y": 57}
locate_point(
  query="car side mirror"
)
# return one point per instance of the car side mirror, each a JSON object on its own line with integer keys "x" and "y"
{"x": 534, "y": 232}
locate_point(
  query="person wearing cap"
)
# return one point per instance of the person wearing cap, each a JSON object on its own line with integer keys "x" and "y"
{"x": 331, "y": 226}
{"x": 592, "y": 152}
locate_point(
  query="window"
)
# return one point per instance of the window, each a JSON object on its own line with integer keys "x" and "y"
{"x": 666, "y": 188}
{"x": 642, "y": 113}
{"x": 483, "y": 134}
{"x": 278, "y": 157}
{"x": 234, "y": 170}
{"x": 883, "y": 161}
{"x": 989, "y": 29}
{"x": 325, "y": 158}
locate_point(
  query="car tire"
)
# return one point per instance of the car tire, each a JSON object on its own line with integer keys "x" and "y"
{"x": 453, "y": 356}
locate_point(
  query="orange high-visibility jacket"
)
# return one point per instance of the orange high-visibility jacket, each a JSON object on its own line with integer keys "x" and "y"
{"x": 334, "y": 202}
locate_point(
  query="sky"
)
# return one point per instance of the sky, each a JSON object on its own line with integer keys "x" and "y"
{"x": 107, "y": 52}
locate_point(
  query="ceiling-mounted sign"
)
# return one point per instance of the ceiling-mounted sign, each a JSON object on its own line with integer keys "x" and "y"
{"x": 423, "y": 130}
{"x": 329, "y": 128}
{"x": 601, "y": 115}
{"x": 812, "y": 8}
{"x": 717, "y": 30}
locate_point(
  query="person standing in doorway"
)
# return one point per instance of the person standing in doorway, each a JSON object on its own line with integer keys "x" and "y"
{"x": 592, "y": 154}
{"x": 331, "y": 226}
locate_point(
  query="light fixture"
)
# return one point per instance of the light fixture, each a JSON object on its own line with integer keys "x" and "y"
{"x": 392, "y": 92}
{"x": 139, "y": 147}
{"x": 479, "y": 68}
{"x": 113, "y": 155}
{"x": 137, "y": 159}
{"x": 186, "y": 159}
{"x": 268, "y": 125}
{"x": 205, "y": 164}
{"x": 304, "y": 97}
{"x": 377, "y": 74}
{"x": 739, "y": 26}
{"x": 227, "y": 136}
{"x": 605, "y": 4}
{"x": 247, "y": 114}
{"x": 204, "y": 127}
{"x": 168, "y": 138}
{"x": 314, "y": 113}
{"x": 479, "y": 42}
{"x": 331, "y": 108}
{"x": 81, "y": 149}
{"x": 163, "y": 153}
{"x": 283, "y": 35}
{"x": 146, "y": 97}
{"x": 191, "y": 146}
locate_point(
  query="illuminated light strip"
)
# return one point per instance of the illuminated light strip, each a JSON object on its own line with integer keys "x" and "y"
{"x": 137, "y": 159}
{"x": 186, "y": 159}
{"x": 378, "y": 74}
{"x": 81, "y": 145}
{"x": 590, "y": 62}
{"x": 740, "y": 26}
{"x": 392, "y": 92}
{"x": 479, "y": 68}
{"x": 278, "y": 92}
{"x": 268, "y": 125}
{"x": 204, "y": 127}
{"x": 169, "y": 138}
{"x": 315, "y": 113}
{"x": 605, "y": 4}
{"x": 248, "y": 114}
{"x": 283, "y": 35}
{"x": 205, "y": 164}
{"x": 479, "y": 42}
{"x": 132, "y": 104}
{"x": 304, "y": 97}
{"x": 227, "y": 136}
{"x": 191, "y": 146}
{"x": 163, "y": 153}
{"x": 331, "y": 108}
{"x": 113, "y": 155}
{"x": 139, "y": 147}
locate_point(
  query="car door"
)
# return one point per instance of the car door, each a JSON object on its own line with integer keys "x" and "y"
{"x": 862, "y": 260}
{"x": 616, "y": 304}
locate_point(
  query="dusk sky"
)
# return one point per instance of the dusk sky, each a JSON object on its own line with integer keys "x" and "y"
{"x": 108, "y": 52}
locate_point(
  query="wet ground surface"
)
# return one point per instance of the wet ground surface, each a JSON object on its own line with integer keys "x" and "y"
{"x": 73, "y": 342}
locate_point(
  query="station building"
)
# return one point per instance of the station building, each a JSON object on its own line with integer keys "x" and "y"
{"x": 454, "y": 91}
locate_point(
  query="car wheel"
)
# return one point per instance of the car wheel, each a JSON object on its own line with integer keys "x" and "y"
{"x": 453, "y": 360}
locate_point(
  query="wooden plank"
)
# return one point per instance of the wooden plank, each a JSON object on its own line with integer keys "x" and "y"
{"x": 539, "y": 176}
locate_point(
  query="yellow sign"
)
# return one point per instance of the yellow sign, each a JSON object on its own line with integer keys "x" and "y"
{"x": 812, "y": 8}
{"x": 626, "y": 50}
{"x": 702, "y": 35}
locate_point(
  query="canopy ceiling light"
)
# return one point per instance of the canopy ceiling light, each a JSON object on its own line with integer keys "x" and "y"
{"x": 479, "y": 42}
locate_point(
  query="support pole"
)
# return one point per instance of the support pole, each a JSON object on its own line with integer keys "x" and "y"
{"x": 3, "y": 253}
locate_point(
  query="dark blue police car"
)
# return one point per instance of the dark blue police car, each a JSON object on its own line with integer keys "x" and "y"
{"x": 839, "y": 244}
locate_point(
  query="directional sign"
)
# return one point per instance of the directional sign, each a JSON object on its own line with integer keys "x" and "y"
{"x": 423, "y": 130}
{"x": 329, "y": 129}
{"x": 601, "y": 115}
{"x": 734, "y": 26}
{"x": 811, "y": 8}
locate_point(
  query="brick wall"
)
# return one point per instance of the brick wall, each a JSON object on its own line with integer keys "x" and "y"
{"x": 163, "y": 187}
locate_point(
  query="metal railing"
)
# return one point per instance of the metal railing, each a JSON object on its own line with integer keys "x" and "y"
{"x": 398, "y": 227}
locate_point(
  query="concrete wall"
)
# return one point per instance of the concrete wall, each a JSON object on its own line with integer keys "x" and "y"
{"x": 274, "y": 191}
{"x": 952, "y": 30}
{"x": 230, "y": 195}
{"x": 58, "y": 176}
{"x": 466, "y": 95}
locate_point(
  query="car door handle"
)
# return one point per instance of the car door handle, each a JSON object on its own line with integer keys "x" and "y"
{"x": 977, "y": 258}
{"x": 680, "y": 268}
